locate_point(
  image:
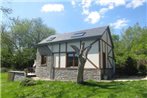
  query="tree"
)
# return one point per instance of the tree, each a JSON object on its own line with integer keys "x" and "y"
{"x": 28, "y": 33}
{"x": 19, "y": 42}
{"x": 82, "y": 57}
{"x": 136, "y": 39}
{"x": 5, "y": 10}
{"x": 130, "y": 67}
{"x": 132, "y": 43}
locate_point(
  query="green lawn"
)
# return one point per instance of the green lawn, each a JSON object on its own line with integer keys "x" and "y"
{"x": 56, "y": 89}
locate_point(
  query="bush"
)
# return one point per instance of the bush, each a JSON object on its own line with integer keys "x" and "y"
{"x": 28, "y": 82}
{"x": 142, "y": 69}
{"x": 130, "y": 67}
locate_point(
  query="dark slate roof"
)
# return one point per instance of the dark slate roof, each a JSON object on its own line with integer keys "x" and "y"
{"x": 89, "y": 33}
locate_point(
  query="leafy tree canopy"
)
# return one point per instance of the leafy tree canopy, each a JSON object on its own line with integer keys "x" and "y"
{"x": 19, "y": 42}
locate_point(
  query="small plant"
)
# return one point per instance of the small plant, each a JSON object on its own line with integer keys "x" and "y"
{"x": 28, "y": 82}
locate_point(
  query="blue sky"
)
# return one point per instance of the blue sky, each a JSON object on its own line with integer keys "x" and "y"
{"x": 73, "y": 15}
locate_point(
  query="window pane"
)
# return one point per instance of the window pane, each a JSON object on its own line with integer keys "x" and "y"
{"x": 70, "y": 55}
{"x": 43, "y": 59}
{"x": 72, "y": 60}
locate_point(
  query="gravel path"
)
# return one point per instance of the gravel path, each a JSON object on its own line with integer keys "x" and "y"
{"x": 128, "y": 78}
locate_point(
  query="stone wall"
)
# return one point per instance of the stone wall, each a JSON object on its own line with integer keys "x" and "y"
{"x": 71, "y": 74}
{"x": 19, "y": 76}
{"x": 43, "y": 71}
{"x": 16, "y": 75}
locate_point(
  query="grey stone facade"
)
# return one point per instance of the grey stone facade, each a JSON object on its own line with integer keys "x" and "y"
{"x": 16, "y": 75}
{"x": 19, "y": 76}
{"x": 43, "y": 71}
{"x": 71, "y": 74}
{"x": 47, "y": 71}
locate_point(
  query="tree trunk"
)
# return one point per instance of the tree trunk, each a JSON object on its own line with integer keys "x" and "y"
{"x": 81, "y": 64}
{"x": 82, "y": 57}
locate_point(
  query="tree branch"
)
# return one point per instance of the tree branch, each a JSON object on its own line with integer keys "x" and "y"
{"x": 76, "y": 49}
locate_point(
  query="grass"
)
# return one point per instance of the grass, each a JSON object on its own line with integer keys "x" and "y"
{"x": 57, "y": 89}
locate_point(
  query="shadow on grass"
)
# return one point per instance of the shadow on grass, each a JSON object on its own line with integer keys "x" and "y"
{"x": 104, "y": 85}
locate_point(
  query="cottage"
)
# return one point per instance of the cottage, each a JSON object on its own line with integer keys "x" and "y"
{"x": 55, "y": 58}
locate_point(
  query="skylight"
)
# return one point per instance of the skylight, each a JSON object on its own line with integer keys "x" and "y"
{"x": 51, "y": 38}
{"x": 79, "y": 34}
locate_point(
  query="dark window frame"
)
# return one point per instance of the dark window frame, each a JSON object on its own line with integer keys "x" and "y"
{"x": 43, "y": 60}
{"x": 74, "y": 60}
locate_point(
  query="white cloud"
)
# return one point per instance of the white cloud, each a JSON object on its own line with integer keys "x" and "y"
{"x": 85, "y": 11}
{"x": 52, "y": 8}
{"x": 86, "y": 3}
{"x": 111, "y": 2}
{"x": 93, "y": 17}
{"x": 119, "y": 23}
{"x": 85, "y": 6}
{"x": 103, "y": 10}
{"x": 73, "y": 2}
{"x": 109, "y": 5}
{"x": 135, "y": 3}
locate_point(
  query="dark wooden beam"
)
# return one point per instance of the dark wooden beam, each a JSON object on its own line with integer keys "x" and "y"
{"x": 59, "y": 54}
{"x": 110, "y": 63}
{"x": 99, "y": 45}
{"x": 73, "y": 63}
{"x": 92, "y": 63}
{"x": 80, "y": 44}
{"x": 66, "y": 53}
{"x": 110, "y": 57}
{"x": 106, "y": 43}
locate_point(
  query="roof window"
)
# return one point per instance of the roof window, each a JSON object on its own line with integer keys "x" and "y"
{"x": 51, "y": 38}
{"x": 79, "y": 34}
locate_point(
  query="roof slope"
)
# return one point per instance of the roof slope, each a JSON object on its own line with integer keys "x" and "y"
{"x": 89, "y": 33}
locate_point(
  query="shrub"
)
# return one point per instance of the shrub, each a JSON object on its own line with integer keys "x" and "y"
{"x": 130, "y": 66}
{"x": 28, "y": 82}
{"x": 142, "y": 69}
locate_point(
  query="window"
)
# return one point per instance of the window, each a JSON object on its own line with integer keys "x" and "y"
{"x": 51, "y": 38}
{"x": 43, "y": 60}
{"x": 79, "y": 34}
{"x": 72, "y": 60}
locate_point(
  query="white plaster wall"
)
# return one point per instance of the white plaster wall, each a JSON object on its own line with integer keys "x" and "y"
{"x": 111, "y": 54}
{"x": 111, "y": 61}
{"x": 109, "y": 41}
{"x": 56, "y": 60}
{"x": 104, "y": 37}
{"x": 92, "y": 55}
{"x": 62, "y": 47}
{"x": 63, "y": 60}
{"x": 55, "y": 48}
{"x": 109, "y": 48}
{"x": 50, "y": 47}
{"x": 69, "y": 48}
